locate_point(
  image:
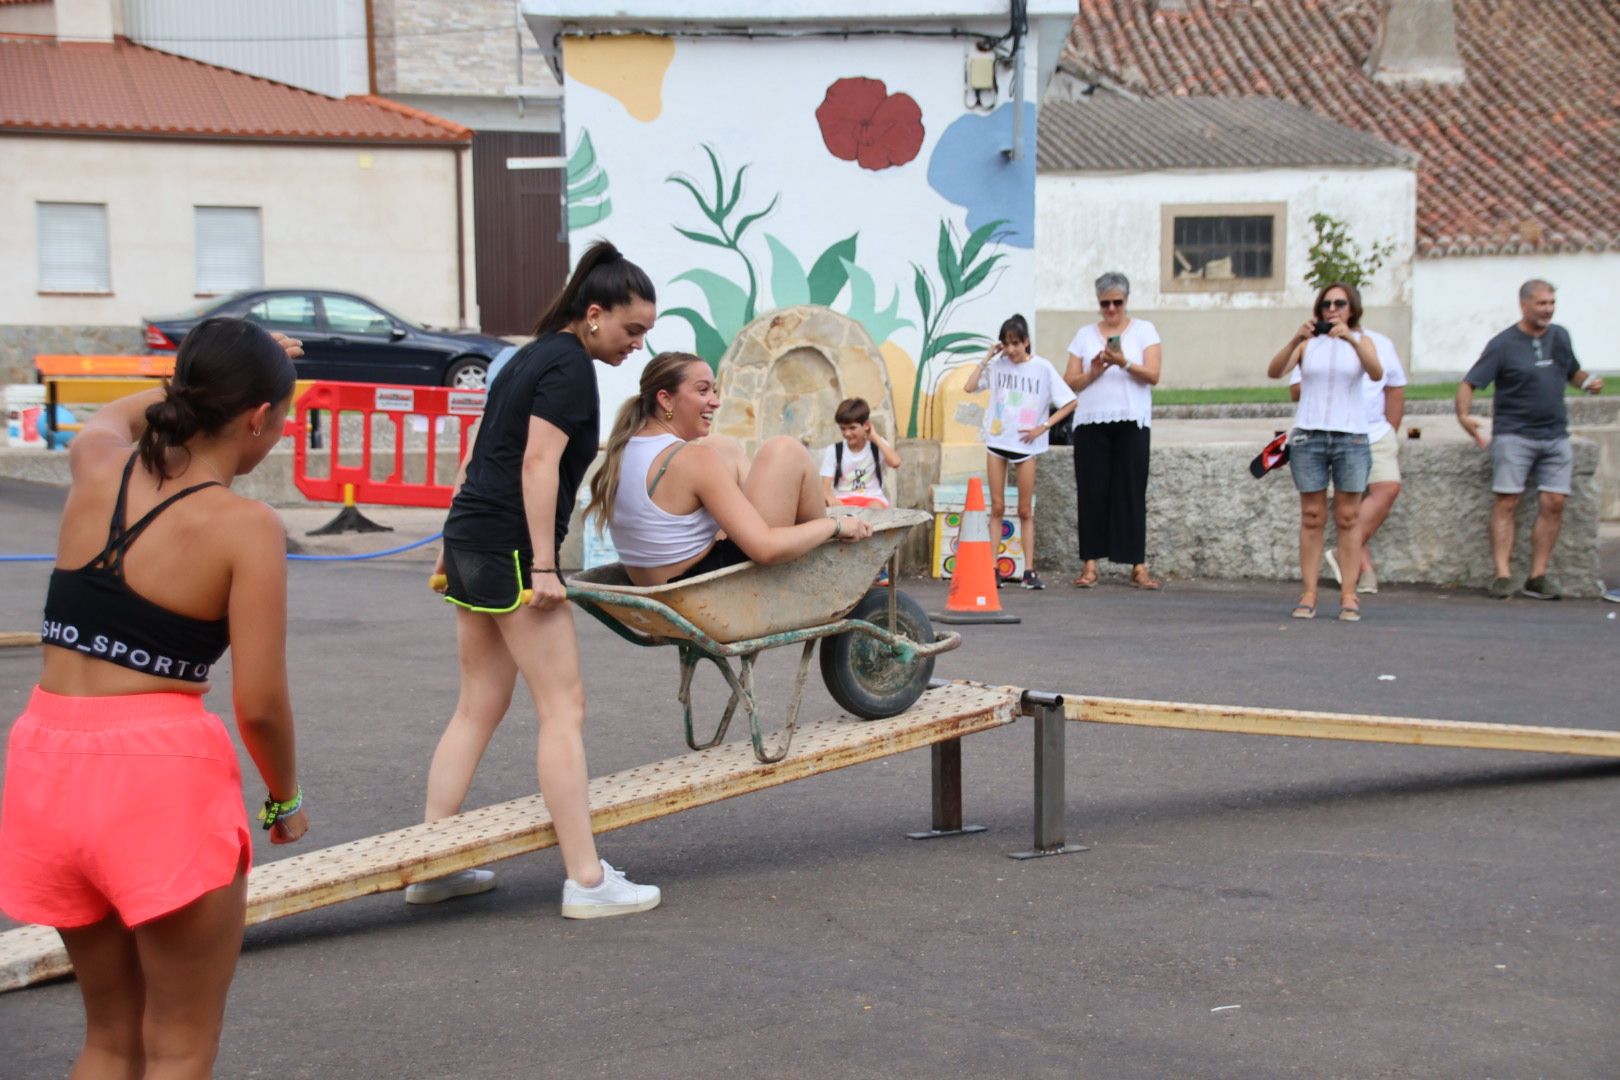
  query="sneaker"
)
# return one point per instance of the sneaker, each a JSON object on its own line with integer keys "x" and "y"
{"x": 1541, "y": 588}
{"x": 1501, "y": 588}
{"x": 615, "y": 894}
{"x": 1612, "y": 595}
{"x": 1367, "y": 582}
{"x": 1032, "y": 580}
{"x": 460, "y": 883}
{"x": 1332, "y": 560}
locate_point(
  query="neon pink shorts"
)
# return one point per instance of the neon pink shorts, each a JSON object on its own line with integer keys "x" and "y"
{"x": 130, "y": 804}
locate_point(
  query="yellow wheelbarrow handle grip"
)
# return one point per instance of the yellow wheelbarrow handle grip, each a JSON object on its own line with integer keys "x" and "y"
{"x": 439, "y": 583}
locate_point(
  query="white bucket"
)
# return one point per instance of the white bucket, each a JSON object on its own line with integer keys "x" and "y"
{"x": 25, "y": 415}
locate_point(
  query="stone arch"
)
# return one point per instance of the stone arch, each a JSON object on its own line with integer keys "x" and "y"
{"x": 786, "y": 372}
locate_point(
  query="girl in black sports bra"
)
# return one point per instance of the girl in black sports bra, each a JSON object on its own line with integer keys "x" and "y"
{"x": 123, "y": 824}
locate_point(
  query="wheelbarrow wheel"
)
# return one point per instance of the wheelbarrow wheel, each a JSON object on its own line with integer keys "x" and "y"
{"x": 863, "y": 674}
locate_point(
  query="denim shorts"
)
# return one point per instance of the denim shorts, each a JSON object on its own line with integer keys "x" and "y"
{"x": 1315, "y": 457}
{"x": 1548, "y": 463}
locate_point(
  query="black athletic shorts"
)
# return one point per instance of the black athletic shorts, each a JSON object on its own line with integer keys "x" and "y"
{"x": 1008, "y": 455}
{"x": 487, "y": 581}
{"x": 723, "y": 554}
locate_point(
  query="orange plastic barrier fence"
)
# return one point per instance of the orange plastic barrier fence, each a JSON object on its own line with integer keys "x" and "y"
{"x": 107, "y": 366}
{"x": 355, "y": 482}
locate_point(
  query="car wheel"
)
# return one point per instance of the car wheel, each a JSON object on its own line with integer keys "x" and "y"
{"x": 468, "y": 373}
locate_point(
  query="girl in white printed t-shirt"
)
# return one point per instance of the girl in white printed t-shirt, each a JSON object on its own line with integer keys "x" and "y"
{"x": 1023, "y": 388}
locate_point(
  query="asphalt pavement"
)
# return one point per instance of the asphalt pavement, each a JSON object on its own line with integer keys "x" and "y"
{"x": 1250, "y": 907}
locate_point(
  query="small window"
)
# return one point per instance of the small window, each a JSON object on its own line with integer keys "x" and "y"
{"x": 1223, "y": 248}
{"x": 346, "y": 315}
{"x": 294, "y": 310}
{"x": 230, "y": 252}
{"x": 73, "y": 248}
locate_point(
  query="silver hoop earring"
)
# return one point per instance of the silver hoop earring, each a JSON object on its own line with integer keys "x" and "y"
{"x": 257, "y": 432}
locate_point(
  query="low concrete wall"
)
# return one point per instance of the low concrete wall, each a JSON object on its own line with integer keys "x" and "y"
{"x": 1207, "y": 517}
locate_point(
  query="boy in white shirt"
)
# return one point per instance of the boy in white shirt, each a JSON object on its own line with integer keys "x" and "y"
{"x": 852, "y": 470}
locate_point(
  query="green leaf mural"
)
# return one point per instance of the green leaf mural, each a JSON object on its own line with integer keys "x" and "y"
{"x": 789, "y": 285}
{"x": 828, "y": 276}
{"x": 587, "y": 199}
{"x": 728, "y": 304}
{"x": 863, "y": 305}
{"x": 961, "y": 274}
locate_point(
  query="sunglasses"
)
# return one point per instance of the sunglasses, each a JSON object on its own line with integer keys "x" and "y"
{"x": 1337, "y": 302}
{"x": 1110, "y": 303}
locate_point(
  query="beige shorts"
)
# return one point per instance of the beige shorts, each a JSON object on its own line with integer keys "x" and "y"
{"x": 1386, "y": 462}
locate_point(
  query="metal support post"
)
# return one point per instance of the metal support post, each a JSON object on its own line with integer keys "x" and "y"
{"x": 1047, "y": 711}
{"x": 947, "y": 785}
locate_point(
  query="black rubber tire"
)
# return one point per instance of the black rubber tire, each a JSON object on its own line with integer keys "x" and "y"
{"x": 863, "y": 675}
{"x": 455, "y": 374}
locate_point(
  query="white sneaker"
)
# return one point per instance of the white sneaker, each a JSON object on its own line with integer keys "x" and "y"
{"x": 615, "y": 894}
{"x": 1368, "y": 582}
{"x": 1332, "y": 561}
{"x": 460, "y": 883}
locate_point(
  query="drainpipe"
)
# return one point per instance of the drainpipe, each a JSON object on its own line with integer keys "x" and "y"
{"x": 461, "y": 242}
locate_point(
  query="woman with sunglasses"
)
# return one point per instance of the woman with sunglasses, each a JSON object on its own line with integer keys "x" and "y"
{"x": 1113, "y": 367}
{"x": 1329, "y": 439}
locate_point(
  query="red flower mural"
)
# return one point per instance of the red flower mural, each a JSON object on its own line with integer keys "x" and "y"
{"x": 864, "y": 123}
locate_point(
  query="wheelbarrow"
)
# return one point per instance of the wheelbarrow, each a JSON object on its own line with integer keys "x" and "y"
{"x": 877, "y": 644}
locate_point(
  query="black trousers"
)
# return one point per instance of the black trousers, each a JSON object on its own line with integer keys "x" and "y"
{"x": 1110, "y": 483}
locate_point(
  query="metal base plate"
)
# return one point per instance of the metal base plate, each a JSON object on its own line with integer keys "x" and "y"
{"x": 965, "y": 617}
{"x": 1066, "y": 849}
{"x": 935, "y": 834}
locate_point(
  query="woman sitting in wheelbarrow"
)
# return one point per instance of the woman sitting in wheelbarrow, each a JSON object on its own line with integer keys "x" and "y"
{"x": 681, "y": 502}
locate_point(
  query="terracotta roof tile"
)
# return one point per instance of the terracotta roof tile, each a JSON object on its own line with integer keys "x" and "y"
{"x": 127, "y": 89}
{"x": 1522, "y": 156}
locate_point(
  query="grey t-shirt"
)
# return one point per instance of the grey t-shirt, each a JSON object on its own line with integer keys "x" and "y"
{"x": 1530, "y": 375}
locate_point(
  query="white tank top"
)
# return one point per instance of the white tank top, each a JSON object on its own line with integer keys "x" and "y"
{"x": 644, "y": 533}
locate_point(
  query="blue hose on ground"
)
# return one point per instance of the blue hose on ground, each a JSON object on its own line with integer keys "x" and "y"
{"x": 301, "y": 558}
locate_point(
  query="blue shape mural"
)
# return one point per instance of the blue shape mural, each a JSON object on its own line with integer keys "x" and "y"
{"x": 969, "y": 169}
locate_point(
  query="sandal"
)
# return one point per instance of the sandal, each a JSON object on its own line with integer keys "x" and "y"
{"x": 1141, "y": 579}
{"x": 1350, "y": 612}
{"x": 1087, "y": 580}
{"x": 1302, "y": 610}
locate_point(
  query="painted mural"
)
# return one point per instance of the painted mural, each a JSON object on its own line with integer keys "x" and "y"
{"x": 749, "y": 176}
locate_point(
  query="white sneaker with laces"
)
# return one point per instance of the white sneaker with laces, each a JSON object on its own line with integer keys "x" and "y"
{"x": 1332, "y": 560}
{"x": 615, "y": 894}
{"x": 460, "y": 883}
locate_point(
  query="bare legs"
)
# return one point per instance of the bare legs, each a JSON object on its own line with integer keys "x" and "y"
{"x": 1375, "y": 507}
{"x": 996, "y": 466}
{"x": 1312, "y": 521}
{"x": 784, "y": 484}
{"x": 493, "y": 649}
{"x": 154, "y": 997}
{"x": 1549, "y": 520}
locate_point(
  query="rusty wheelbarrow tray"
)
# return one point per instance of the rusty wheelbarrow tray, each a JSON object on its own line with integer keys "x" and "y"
{"x": 878, "y": 646}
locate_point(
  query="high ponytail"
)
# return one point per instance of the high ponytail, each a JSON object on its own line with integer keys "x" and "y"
{"x": 664, "y": 372}
{"x": 603, "y": 277}
{"x": 224, "y": 368}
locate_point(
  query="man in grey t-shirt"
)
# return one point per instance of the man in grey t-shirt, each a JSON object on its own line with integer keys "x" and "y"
{"x": 1530, "y": 362}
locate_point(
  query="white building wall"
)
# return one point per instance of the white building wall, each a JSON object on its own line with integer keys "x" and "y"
{"x": 1460, "y": 303}
{"x": 319, "y": 45}
{"x": 1095, "y": 222}
{"x": 380, "y": 221}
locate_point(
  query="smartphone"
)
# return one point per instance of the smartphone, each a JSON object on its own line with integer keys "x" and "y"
{"x": 1113, "y": 343}
{"x": 1323, "y": 326}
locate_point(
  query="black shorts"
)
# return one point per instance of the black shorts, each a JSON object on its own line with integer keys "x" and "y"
{"x": 1008, "y": 455}
{"x": 487, "y": 581}
{"x": 723, "y": 554}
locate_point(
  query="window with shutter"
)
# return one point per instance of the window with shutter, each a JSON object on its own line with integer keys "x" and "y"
{"x": 73, "y": 248}
{"x": 229, "y": 249}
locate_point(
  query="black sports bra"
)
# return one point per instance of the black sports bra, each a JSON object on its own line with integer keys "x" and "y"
{"x": 93, "y": 611}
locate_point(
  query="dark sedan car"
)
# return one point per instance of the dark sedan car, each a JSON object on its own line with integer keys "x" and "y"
{"x": 347, "y": 338}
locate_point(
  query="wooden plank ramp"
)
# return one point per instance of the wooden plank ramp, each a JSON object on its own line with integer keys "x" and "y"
{"x": 393, "y": 860}
{"x": 12, "y": 639}
{"x": 1585, "y": 742}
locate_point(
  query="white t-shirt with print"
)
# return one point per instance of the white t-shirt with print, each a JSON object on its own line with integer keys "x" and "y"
{"x": 1394, "y": 376}
{"x": 1021, "y": 396}
{"x": 1115, "y": 394}
{"x": 859, "y": 475}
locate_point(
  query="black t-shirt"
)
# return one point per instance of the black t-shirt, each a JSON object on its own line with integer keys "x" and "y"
{"x": 552, "y": 377}
{"x": 1530, "y": 375}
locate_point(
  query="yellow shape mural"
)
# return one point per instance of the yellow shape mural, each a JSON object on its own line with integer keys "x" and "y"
{"x": 629, "y": 69}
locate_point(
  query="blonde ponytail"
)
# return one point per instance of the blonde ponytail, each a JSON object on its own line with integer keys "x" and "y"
{"x": 663, "y": 373}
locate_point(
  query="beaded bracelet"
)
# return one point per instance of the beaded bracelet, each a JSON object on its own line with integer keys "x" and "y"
{"x": 274, "y": 811}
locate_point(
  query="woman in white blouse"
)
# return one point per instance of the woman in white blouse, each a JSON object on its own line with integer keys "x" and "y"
{"x": 1329, "y": 439}
{"x": 1113, "y": 367}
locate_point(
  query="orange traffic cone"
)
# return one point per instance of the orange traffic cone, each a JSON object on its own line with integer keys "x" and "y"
{"x": 973, "y": 598}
